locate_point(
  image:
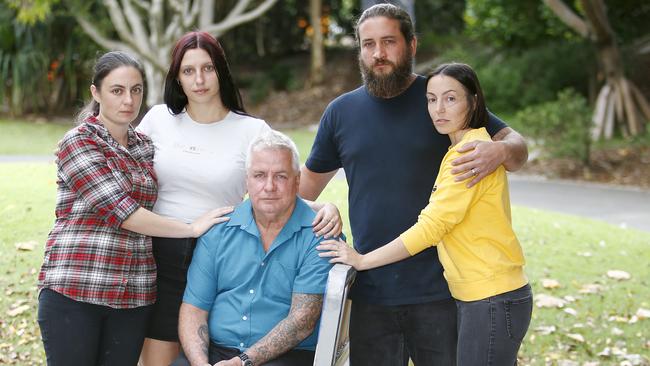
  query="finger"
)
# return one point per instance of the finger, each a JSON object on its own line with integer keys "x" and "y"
{"x": 332, "y": 231}
{"x": 331, "y": 253}
{"x": 464, "y": 159}
{"x": 323, "y": 230}
{"x": 338, "y": 229}
{"x": 324, "y": 247}
{"x": 318, "y": 218}
{"x": 221, "y": 219}
{"x": 464, "y": 176}
{"x": 333, "y": 242}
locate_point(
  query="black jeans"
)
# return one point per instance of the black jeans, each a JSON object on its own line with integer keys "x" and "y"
{"x": 490, "y": 331}
{"x": 78, "y": 333}
{"x": 296, "y": 357}
{"x": 390, "y": 335}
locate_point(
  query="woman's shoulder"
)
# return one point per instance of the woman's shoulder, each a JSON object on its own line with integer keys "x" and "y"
{"x": 247, "y": 119}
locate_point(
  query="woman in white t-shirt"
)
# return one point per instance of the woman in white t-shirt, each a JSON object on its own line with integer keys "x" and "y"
{"x": 201, "y": 135}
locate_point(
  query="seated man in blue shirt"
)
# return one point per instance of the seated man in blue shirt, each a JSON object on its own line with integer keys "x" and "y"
{"x": 255, "y": 286}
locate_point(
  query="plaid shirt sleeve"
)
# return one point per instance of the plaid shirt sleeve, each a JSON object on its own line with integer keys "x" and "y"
{"x": 86, "y": 170}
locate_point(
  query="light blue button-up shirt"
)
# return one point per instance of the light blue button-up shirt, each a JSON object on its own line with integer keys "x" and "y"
{"x": 246, "y": 290}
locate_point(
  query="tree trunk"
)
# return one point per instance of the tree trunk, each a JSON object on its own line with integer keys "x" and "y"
{"x": 317, "y": 47}
{"x": 617, "y": 104}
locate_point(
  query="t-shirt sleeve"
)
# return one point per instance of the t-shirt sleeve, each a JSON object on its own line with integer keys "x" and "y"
{"x": 201, "y": 288}
{"x": 84, "y": 168}
{"x": 447, "y": 207}
{"x": 495, "y": 124}
{"x": 312, "y": 274}
{"x": 324, "y": 156}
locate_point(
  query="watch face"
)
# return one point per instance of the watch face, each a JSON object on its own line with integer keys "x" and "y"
{"x": 248, "y": 363}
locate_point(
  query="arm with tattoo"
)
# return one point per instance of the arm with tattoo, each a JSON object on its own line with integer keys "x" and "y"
{"x": 290, "y": 331}
{"x": 193, "y": 334}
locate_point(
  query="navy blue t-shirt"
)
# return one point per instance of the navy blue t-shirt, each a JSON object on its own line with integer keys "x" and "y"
{"x": 391, "y": 154}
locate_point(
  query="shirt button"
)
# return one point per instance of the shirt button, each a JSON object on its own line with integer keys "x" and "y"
{"x": 262, "y": 264}
{"x": 241, "y": 345}
{"x": 244, "y": 317}
{"x": 252, "y": 291}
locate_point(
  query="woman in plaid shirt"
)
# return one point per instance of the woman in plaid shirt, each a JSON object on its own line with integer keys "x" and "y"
{"x": 98, "y": 278}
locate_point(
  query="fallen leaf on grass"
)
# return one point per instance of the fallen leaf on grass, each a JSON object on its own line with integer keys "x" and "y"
{"x": 617, "y": 331}
{"x": 618, "y": 319}
{"x": 571, "y": 311}
{"x": 550, "y": 283}
{"x": 27, "y": 246}
{"x": 591, "y": 288}
{"x": 643, "y": 313}
{"x": 567, "y": 363}
{"x": 618, "y": 275}
{"x": 576, "y": 337}
{"x": 585, "y": 254}
{"x": 17, "y": 311}
{"x": 546, "y": 329}
{"x": 547, "y": 301}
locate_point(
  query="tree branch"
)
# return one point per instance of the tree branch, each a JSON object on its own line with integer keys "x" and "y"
{"x": 233, "y": 20}
{"x": 568, "y": 17}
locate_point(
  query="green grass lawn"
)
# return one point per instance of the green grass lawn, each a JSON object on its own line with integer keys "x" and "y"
{"x": 28, "y": 138}
{"x": 608, "y": 326}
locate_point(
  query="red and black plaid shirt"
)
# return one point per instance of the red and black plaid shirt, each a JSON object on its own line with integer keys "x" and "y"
{"x": 88, "y": 257}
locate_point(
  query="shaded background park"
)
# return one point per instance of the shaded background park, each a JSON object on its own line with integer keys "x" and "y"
{"x": 549, "y": 68}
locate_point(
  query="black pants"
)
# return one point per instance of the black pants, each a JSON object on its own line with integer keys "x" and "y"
{"x": 296, "y": 357}
{"x": 78, "y": 333}
{"x": 390, "y": 335}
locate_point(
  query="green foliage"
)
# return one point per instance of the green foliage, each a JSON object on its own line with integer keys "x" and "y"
{"x": 44, "y": 66}
{"x": 33, "y": 11}
{"x": 562, "y": 126}
{"x": 513, "y": 24}
{"x": 512, "y": 81}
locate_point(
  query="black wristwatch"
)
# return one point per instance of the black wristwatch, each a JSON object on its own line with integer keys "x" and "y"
{"x": 245, "y": 361}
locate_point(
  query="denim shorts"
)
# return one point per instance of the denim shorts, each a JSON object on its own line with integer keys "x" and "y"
{"x": 490, "y": 330}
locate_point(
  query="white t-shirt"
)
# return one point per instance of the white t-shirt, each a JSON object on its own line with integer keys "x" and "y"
{"x": 200, "y": 166}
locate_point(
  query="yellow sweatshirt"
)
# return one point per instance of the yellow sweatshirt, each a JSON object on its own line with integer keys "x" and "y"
{"x": 472, "y": 228}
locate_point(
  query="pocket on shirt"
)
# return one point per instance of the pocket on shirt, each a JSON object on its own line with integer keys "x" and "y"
{"x": 279, "y": 284}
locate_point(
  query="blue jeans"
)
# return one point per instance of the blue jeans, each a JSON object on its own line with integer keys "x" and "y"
{"x": 83, "y": 334}
{"x": 490, "y": 331}
{"x": 389, "y": 335}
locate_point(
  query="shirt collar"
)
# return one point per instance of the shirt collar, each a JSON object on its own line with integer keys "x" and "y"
{"x": 132, "y": 137}
{"x": 302, "y": 216}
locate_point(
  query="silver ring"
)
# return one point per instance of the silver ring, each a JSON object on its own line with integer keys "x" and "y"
{"x": 474, "y": 171}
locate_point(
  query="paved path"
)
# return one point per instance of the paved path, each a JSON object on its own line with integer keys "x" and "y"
{"x": 625, "y": 207}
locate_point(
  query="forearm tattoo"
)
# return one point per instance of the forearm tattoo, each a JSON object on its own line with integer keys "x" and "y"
{"x": 288, "y": 333}
{"x": 204, "y": 336}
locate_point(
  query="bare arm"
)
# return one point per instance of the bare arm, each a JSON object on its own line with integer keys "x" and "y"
{"x": 483, "y": 157}
{"x": 341, "y": 252}
{"x": 145, "y": 222}
{"x": 193, "y": 334}
{"x": 290, "y": 331}
{"x": 312, "y": 183}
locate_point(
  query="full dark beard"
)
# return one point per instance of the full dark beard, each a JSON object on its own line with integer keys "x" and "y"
{"x": 389, "y": 85}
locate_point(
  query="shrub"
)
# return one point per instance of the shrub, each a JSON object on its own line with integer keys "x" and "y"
{"x": 562, "y": 126}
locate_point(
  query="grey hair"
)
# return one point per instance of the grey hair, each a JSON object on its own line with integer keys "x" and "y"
{"x": 273, "y": 139}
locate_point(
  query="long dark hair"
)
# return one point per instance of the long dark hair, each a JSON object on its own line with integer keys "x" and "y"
{"x": 175, "y": 98}
{"x": 477, "y": 116}
{"x": 104, "y": 65}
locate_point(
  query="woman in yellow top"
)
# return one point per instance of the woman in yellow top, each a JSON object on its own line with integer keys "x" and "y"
{"x": 471, "y": 227}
